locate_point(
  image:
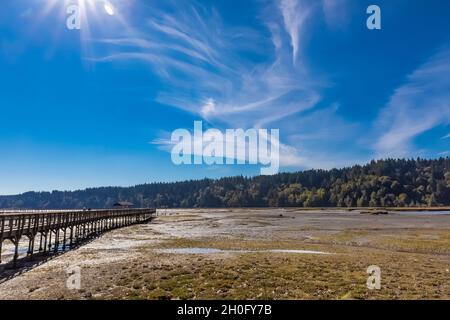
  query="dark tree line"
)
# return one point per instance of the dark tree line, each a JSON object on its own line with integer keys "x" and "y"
{"x": 383, "y": 183}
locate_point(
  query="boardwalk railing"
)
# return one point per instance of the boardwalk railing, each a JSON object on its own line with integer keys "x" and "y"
{"x": 65, "y": 227}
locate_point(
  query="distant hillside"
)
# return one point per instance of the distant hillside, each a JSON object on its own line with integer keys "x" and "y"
{"x": 384, "y": 183}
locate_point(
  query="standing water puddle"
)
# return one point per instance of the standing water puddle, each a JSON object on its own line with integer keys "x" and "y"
{"x": 24, "y": 250}
{"x": 212, "y": 251}
{"x": 437, "y": 213}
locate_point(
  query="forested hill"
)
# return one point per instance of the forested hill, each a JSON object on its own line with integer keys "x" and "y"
{"x": 381, "y": 183}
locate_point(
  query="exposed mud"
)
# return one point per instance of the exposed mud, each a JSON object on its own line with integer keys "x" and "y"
{"x": 254, "y": 254}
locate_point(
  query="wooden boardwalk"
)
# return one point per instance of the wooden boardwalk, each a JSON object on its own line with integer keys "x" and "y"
{"x": 55, "y": 230}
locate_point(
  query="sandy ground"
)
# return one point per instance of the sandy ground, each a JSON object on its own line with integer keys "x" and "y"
{"x": 253, "y": 254}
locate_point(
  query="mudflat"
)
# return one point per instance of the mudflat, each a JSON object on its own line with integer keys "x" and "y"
{"x": 254, "y": 254}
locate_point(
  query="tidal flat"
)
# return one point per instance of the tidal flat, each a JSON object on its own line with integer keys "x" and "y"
{"x": 254, "y": 254}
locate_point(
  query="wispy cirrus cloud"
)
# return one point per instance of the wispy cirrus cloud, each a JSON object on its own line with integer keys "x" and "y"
{"x": 295, "y": 14}
{"x": 193, "y": 43}
{"x": 243, "y": 77}
{"x": 421, "y": 104}
{"x": 239, "y": 77}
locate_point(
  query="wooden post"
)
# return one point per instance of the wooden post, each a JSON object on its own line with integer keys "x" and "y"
{"x": 71, "y": 236}
{"x": 56, "y": 248}
{"x": 31, "y": 246}
{"x": 16, "y": 251}
{"x": 2, "y": 229}
{"x": 30, "y": 250}
{"x": 40, "y": 243}
{"x": 50, "y": 240}
{"x": 45, "y": 242}
{"x": 64, "y": 241}
{"x": 16, "y": 237}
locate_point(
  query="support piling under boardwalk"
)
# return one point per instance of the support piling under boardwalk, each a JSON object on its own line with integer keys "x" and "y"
{"x": 55, "y": 231}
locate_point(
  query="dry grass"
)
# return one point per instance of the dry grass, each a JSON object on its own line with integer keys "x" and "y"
{"x": 414, "y": 262}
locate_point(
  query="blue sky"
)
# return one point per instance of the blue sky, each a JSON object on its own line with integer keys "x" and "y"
{"x": 96, "y": 106}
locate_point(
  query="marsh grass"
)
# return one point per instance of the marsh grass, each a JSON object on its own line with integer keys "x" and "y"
{"x": 414, "y": 262}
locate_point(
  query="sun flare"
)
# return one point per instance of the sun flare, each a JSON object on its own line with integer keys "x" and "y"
{"x": 109, "y": 8}
{"x": 91, "y": 18}
{"x": 87, "y": 8}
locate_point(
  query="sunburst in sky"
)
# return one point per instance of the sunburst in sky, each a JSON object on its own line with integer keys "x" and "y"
{"x": 85, "y": 5}
{"x": 94, "y": 16}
